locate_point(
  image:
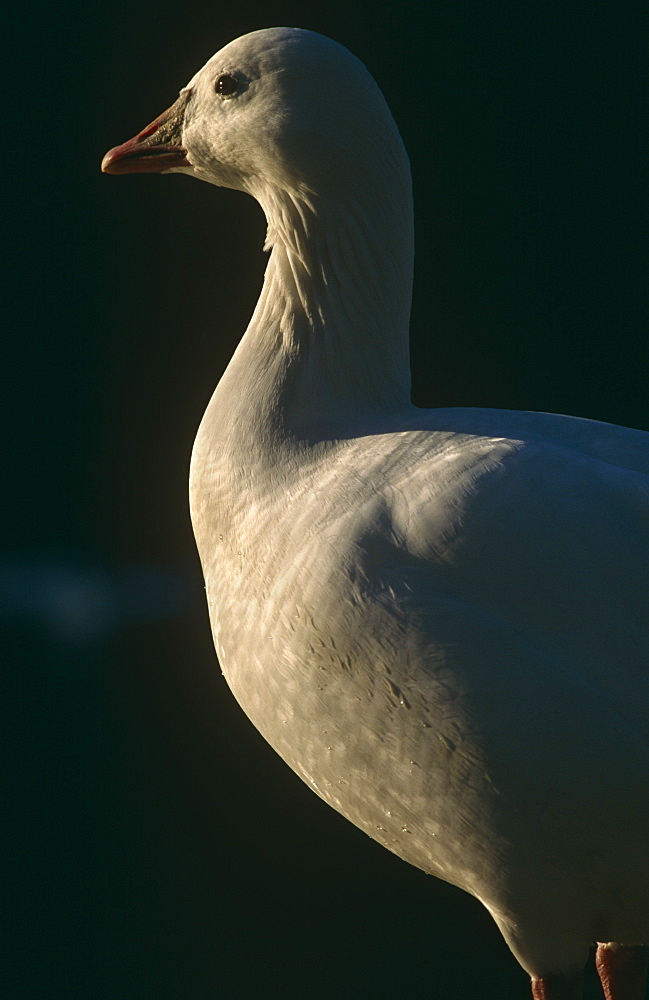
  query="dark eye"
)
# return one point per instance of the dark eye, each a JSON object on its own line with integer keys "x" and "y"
{"x": 226, "y": 85}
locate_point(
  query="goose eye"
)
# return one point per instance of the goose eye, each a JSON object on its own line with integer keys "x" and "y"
{"x": 226, "y": 85}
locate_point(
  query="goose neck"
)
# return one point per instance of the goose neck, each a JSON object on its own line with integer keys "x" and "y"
{"x": 337, "y": 296}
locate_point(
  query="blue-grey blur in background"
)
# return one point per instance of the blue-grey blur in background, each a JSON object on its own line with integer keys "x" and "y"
{"x": 161, "y": 848}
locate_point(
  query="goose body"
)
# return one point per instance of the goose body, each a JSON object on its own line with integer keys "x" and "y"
{"x": 438, "y": 618}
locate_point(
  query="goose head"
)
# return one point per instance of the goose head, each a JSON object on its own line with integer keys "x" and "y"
{"x": 280, "y": 108}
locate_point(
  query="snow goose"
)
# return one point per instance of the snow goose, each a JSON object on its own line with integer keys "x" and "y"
{"x": 438, "y": 618}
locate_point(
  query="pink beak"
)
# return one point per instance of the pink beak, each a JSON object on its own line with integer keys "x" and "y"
{"x": 157, "y": 147}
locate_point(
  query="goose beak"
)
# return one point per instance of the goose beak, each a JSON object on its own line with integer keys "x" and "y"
{"x": 156, "y": 148}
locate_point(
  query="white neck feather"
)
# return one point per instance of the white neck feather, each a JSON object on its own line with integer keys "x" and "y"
{"x": 326, "y": 350}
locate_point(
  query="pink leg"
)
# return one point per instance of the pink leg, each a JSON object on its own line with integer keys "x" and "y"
{"x": 558, "y": 988}
{"x": 622, "y": 971}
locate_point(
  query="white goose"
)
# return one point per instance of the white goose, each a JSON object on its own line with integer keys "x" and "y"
{"x": 439, "y": 618}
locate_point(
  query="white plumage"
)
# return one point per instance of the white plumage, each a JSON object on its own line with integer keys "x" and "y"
{"x": 439, "y": 618}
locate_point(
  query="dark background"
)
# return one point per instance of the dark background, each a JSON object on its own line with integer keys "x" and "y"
{"x": 162, "y": 849}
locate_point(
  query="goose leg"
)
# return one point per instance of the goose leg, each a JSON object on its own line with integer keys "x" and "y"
{"x": 622, "y": 971}
{"x": 558, "y": 987}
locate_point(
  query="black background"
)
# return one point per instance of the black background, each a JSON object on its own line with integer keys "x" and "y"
{"x": 162, "y": 849}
